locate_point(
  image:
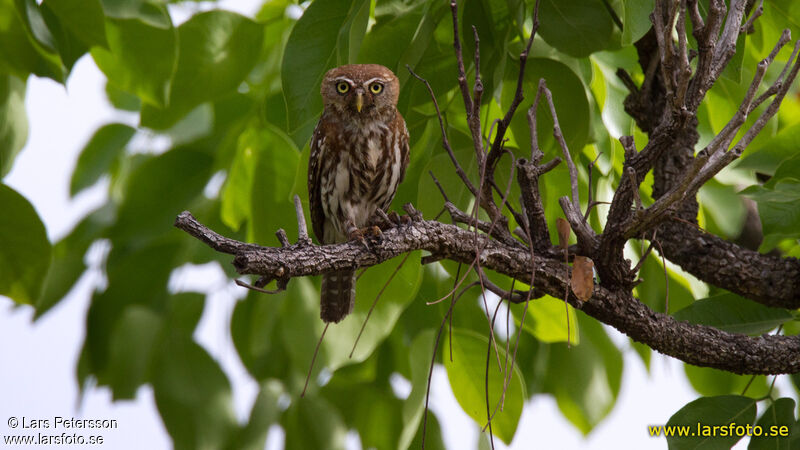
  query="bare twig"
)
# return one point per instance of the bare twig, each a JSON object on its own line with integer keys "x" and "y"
{"x": 645, "y": 254}
{"x": 375, "y": 302}
{"x": 445, "y": 142}
{"x": 573, "y": 172}
{"x": 282, "y": 238}
{"x": 314, "y": 358}
{"x": 494, "y": 153}
{"x": 756, "y": 14}
{"x": 258, "y": 289}
{"x": 589, "y": 200}
{"x": 666, "y": 277}
{"x": 302, "y": 230}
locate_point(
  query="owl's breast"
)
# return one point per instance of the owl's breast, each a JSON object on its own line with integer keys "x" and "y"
{"x": 361, "y": 168}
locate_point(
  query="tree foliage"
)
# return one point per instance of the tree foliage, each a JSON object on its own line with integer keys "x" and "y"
{"x": 237, "y": 98}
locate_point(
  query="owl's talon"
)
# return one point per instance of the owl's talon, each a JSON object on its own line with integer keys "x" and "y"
{"x": 398, "y": 220}
{"x": 374, "y": 231}
{"x": 355, "y": 234}
{"x": 395, "y": 218}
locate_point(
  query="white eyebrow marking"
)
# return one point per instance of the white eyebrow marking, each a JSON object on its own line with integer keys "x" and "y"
{"x": 348, "y": 80}
{"x": 381, "y": 79}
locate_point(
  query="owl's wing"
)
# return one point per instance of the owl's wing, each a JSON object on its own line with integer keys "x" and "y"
{"x": 314, "y": 182}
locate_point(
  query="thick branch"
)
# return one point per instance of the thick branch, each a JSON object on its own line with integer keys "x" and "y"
{"x": 695, "y": 344}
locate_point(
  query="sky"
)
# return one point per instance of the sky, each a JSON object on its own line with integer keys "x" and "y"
{"x": 38, "y": 360}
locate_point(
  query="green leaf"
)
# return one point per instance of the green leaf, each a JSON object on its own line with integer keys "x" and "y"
{"x": 255, "y": 330}
{"x": 766, "y": 157}
{"x": 236, "y": 196}
{"x": 493, "y": 23}
{"x": 776, "y": 424}
{"x": 99, "y": 154}
{"x": 264, "y": 413}
{"x": 420, "y": 355}
{"x": 147, "y": 209}
{"x": 13, "y": 120}
{"x": 433, "y": 435}
{"x": 734, "y": 314}
{"x": 546, "y": 320}
{"x": 312, "y": 49}
{"x": 397, "y": 22}
{"x": 733, "y": 71}
{"x": 217, "y": 50}
{"x": 585, "y": 378}
{"x": 69, "y": 47}
{"x": 710, "y": 382}
{"x": 270, "y": 198}
{"x": 68, "y": 253}
{"x": 723, "y": 209}
{"x": 376, "y": 414}
{"x": 41, "y": 38}
{"x": 193, "y": 395}
{"x": 131, "y": 349}
{"x": 653, "y": 292}
{"x": 576, "y": 27}
{"x": 141, "y": 58}
{"x": 150, "y": 12}
{"x": 777, "y": 204}
{"x": 467, "y": 372}
{"x": 709, "y": 412}
{"x": 312, "y": 422}
{"x": 128, "y": 284}
{"x": 26, "y": 55}
{"x": 121, "y": 99}
{"x": 637, "y": 19}
{"x": 301, "y": 326}
{"x": 84, "y": 18}
{"x": 25, "y": 251}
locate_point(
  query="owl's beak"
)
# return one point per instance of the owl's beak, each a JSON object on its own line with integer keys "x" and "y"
{"x": 359, "y": 101}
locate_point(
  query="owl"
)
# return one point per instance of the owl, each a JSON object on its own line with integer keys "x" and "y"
{"x": 359, "y": 154}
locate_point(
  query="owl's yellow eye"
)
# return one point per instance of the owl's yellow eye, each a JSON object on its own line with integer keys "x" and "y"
{"x": 376, "y": 88}
{"x": 342, "y": 87}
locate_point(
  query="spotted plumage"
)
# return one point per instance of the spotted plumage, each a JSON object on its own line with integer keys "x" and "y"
{"x": 359, "y": 154}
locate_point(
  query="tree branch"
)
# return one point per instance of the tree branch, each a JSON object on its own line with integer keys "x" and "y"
{"x": 695, "y": 344}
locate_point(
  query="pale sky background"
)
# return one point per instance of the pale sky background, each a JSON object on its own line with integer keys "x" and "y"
{"x": 38, "y": 360}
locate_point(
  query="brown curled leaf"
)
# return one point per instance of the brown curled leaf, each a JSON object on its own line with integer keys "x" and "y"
{"x": 582, "y": 281}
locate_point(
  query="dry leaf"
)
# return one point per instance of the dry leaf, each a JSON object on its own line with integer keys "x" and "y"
{"x": 582, "y": 278}
{"x": 563, "y": 232}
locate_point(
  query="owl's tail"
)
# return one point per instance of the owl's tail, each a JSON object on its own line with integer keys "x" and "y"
{"x": 338, "y": 295}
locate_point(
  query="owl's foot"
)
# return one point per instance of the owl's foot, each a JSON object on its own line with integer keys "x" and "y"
{"x": 398, "y": 220}
{"x": 360, "y": 234}
{"x": 389, "y": 221}
{"x": 372, "y": 231}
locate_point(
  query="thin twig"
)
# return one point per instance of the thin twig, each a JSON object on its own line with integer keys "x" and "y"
{"x": 314, "y": 358}
{"x": 445, "y": 141}
{"x": 258, "y": 289}
{"x": 302, "y": 230}
{"x": 375, "y": 302}
{"x": 573, "y": 172}
{"x": 666, "y": 276}
{"x": 486, "y": 376}
{"x": 646, "y": 253}
{"x": 282, "y": 238}
{"x": 441, "y": 189}
{"x": 589, "y": 200}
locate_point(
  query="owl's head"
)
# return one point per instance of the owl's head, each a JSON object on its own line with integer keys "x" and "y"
{"x": 360, "y": 90}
